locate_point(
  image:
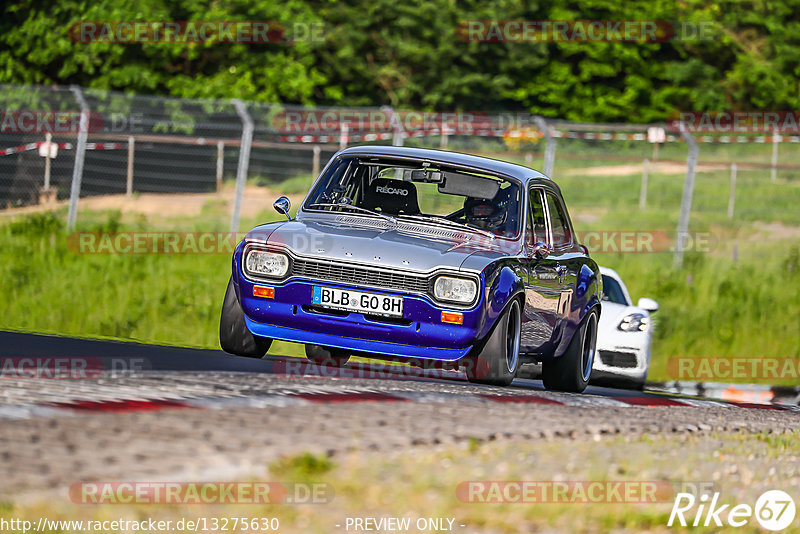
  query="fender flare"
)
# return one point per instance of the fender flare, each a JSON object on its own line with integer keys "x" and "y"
{"x": 589, "y": 283}
{"x": 505, "y": 287}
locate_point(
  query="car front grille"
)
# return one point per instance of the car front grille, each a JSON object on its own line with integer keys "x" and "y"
{"x": 614, "y": 358}
{"x": 346, "y": 274}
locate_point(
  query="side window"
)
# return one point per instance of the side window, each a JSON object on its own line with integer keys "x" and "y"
{"x": 558, "y": 222}
{"x": 537, "y": 224}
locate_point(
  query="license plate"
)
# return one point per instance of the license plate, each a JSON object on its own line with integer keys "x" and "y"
{"x": 357, "y": 301}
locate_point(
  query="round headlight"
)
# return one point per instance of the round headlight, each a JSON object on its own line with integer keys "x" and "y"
{"x": 452, "y": 289}
{"x": 262, "y": 263}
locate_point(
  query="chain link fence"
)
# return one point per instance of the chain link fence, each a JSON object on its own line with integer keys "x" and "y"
{"x": 26, "y": 177}
{"x": 144, "y": 144}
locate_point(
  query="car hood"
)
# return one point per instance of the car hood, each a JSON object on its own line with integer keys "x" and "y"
{"x": 368, "y": 241}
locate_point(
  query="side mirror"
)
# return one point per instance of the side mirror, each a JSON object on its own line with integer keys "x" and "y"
{"x": 648, "y": 304}
{"x": 283, "y": 205}
{"x": 540, "y": 251}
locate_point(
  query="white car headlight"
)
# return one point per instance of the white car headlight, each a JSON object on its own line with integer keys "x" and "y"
{"x": 263, "y": 263}
{"x": 634, "y": 322}
{"x": 452, "y": 289}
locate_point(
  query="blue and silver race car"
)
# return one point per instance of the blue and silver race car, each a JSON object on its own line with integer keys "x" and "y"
{"x": 422, "y": 256}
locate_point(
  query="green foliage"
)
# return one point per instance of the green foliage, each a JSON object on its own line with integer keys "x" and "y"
{"x": 36, "y": 47}
{"x": 728, "y": 54}
{"x": 304, "y": 466}
{"x": 296, "y": 185}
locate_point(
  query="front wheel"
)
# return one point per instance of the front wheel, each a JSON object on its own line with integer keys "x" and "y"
{"x": 234, "y": 337}
{"x": 498, "y": 360}
{"x": 572, "y": 370}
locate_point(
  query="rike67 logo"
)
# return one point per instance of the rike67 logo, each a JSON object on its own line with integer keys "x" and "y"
{"x": 774, "y": 510}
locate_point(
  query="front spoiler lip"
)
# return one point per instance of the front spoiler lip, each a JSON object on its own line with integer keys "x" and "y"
{"x": 386, "y": 348}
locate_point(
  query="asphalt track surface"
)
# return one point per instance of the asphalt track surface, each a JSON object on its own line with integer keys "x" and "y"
{"x": 168, "y": 413}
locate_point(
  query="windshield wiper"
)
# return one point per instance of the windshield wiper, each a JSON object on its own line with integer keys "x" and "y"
{"x": 447, "y": 222}
{"x": 356, "y": 208}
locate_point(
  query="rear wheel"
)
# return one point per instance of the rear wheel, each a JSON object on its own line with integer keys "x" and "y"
{"x": 572, "y": 370}
{"x": 329, "y": 356}
{"x": 234, "y": 337}
{"x": 498, "y": 360}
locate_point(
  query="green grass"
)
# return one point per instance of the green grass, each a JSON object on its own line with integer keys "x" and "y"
{"x": 295, "y": 185}
{"x": 303, "y": 467}
{"x": 172, "y": 299}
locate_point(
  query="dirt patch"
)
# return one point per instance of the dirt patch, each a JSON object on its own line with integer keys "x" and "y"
{"x": 631, "y": 169}
{"x": 255, "y": 200}
{"x": 775, "y": 231}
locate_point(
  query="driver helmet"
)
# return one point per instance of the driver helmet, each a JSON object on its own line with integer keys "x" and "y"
{"x": 486, "y": 214}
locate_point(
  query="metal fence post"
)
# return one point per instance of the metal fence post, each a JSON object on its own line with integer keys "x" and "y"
{"x": 129, "y": 182}
{"x": 315, "y": 162}
{"x": 643, "y": 190}
{"x": 48, "y": 140}
{"x": 550, "y": 145}
{"x": 220, "y": 163}
{"x": 397, "y": 127}
{"x": 244, "y": 161}
{"x": 343, "y": 129}
{"x": 732, "y": 197}
{"x": 686, "y": 199}
{"x": 773, "y": 175}
{"x": 80, "y": 153}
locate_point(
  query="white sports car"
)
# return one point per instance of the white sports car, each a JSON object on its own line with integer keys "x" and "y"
{"x": 623, "y": 337}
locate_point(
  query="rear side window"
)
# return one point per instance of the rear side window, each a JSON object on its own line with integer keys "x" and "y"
{"x": 537, "y": 222}
{"x": 562, "y": 236}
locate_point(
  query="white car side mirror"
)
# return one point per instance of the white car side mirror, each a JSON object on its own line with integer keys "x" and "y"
{"x": 648, "y": 304}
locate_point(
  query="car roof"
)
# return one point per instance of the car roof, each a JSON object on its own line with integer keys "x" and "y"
{"x": 520, "y": 172}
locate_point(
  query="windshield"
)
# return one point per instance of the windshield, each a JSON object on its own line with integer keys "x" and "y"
{"x": 612, "y": 291}
{"x": 401, "y": 189}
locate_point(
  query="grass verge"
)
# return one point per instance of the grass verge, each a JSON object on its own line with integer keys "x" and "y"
{"x": 425, "y": 483}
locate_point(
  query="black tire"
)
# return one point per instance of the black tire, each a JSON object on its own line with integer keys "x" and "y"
{"x": 497, "y": 361}
{"x": 327, "y": 356}
{"x": 234, "y": 337}
{"x": 571, "y": 372}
